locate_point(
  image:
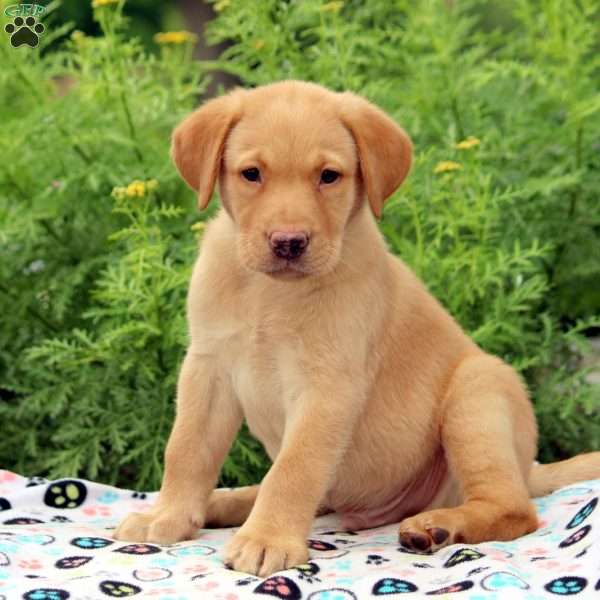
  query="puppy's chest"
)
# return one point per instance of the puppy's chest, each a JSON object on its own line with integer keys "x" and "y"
{"x": 266, "y": 376}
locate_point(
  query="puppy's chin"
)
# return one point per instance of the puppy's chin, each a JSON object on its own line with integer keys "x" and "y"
{"x": 284, "y": 270}
{"x": 311, "y": 264}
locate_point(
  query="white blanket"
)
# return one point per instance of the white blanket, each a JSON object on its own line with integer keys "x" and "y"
{"x": 55, "y": 543}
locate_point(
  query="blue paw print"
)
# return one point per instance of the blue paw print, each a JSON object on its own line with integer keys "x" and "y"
{"x": 91, "y": 543}
{"x": 192, "y": 551}
{"x": 333, "y": 595}
{"x": 503, "y": 579}
{"x": 164, "y": 563}
{"x": 583, "y": 513}
{"x": 46, "y": 594}
{"x": 108, "y": 497}
{"x": 391, "y": 585}
{"x": 343, "y": 565}
{"x": 566, "y": 586}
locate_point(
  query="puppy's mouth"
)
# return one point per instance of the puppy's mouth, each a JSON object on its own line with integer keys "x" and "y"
{"x": 287, "y": 269}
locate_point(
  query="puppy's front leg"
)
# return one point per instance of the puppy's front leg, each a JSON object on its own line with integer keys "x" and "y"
{"x": 208, "y": 417}
{"x": 274, "y": 536}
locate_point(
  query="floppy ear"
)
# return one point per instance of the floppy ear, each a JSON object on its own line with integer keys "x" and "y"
{"x": 384, "y": 148}
{"x": 198, "y": 142}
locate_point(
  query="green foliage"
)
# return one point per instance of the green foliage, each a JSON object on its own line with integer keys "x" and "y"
{"x": 95, "y": 255}
{"x": 96, "y": 244}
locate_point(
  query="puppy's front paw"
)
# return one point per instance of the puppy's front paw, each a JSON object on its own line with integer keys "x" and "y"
{"x": 264, "y": 553}
{"x": 158, "y": 526}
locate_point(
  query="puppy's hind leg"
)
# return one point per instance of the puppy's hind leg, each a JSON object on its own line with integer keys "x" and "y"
{"x": 230, "y": 508}
{"x": 489, "y": 436}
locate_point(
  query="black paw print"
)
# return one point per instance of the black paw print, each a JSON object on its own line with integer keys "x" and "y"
{"x": 139, "y": 495}
{"x": 60, "y": 519}
{"x": 308, "y": 572}
{"x": 33, "y": 481}
{"x": 375, "y": 559}
{"x": 24, "y": 31}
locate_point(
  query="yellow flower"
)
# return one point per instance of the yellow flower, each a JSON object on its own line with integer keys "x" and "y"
{"x": 447, "y": 165}
{"x": 199, "y": 227}
{"x": 175, "y": 37}
{"x": 98, "y": 3}
{"x": 258, "y": 44}
{"x": 136, "y": 189}
{"x": 222, "y": 5}
{"x": 333, "y": 7}
{"x": 468, "y": 143}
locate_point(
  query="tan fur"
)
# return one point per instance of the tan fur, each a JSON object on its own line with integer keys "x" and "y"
{"x": 350, "y": 373}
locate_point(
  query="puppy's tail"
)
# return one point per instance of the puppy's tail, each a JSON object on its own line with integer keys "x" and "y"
{"x": 544, "y": 479}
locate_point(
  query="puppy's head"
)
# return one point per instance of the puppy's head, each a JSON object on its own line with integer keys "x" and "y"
{"x": 294, "y": 163}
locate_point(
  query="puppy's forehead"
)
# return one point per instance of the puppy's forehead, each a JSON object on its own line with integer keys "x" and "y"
{"x": 293, "y": 126}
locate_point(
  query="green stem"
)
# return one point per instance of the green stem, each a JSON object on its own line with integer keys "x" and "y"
{"x": 129, "y": 120}
{"x": 457, "y": 119}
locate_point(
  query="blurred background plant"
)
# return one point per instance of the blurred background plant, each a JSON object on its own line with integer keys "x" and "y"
{"x": 500, "y": 215}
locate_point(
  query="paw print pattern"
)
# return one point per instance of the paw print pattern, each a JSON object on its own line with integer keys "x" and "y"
{"x": 23, "y": 521}
{"x": 68, "y": 493}
{"x": 139, "y": 495}
{"x": 60, "y": 519}
{"x": 460, "y": 586}
{"x": 119, "y": 589}
{"x": 33, "y": 481}
{"x": 4, "y": 504}
{"x": 463, "y": 555}
{"x": 566, "y": 586}
{"x": 575, "y": 537}
{"x": 34, "y": 563}
{"x": 72, "y": 562}
{"x": 246, "y": 581}
{"x": 108, "y": 497}
{"x": 46, "y": 594}
{"x": 97, "y": 511}
{"x": 391, "y": 585}
{"x": 308, "y": 572}
{"x": 91, "y": 543}
{"x": 583, "y": 513}
{"x": 280, "y": 587}
{"x": 321, "y": 545}
{"x": 24, "y": 31}
{"x": 375, "y": 559}
{"x": 138, "y": 549}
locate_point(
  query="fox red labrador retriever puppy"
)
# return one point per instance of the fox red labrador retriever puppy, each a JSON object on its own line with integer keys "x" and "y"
{"x": 365, "y": 392}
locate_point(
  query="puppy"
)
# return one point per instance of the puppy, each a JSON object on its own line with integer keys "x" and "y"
{"x": 367, "y": 395}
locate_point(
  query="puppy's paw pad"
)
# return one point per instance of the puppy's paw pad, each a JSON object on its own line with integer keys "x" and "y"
{"x": 428, "y": 532}
{"x": 417, "y": 542}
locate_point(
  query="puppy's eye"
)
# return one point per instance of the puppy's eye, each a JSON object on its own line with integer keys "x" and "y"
{"x": 329, "y": 176}
{"x": 252, "y": 174}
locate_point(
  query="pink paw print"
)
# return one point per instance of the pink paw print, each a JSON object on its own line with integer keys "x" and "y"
{"x": 6, "y": 476}
{"x": 100, "y": 511}
{"x": 549, "y": 564}
{"x": 536, "y": 551}
{"x": 195, "y": 569}
{"x": 30, "y": 564}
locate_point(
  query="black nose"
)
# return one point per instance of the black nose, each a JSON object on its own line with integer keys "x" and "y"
{"x": 288, "y": 244}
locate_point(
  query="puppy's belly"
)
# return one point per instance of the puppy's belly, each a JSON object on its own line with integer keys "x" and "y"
{"x": 409, "y": 499}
